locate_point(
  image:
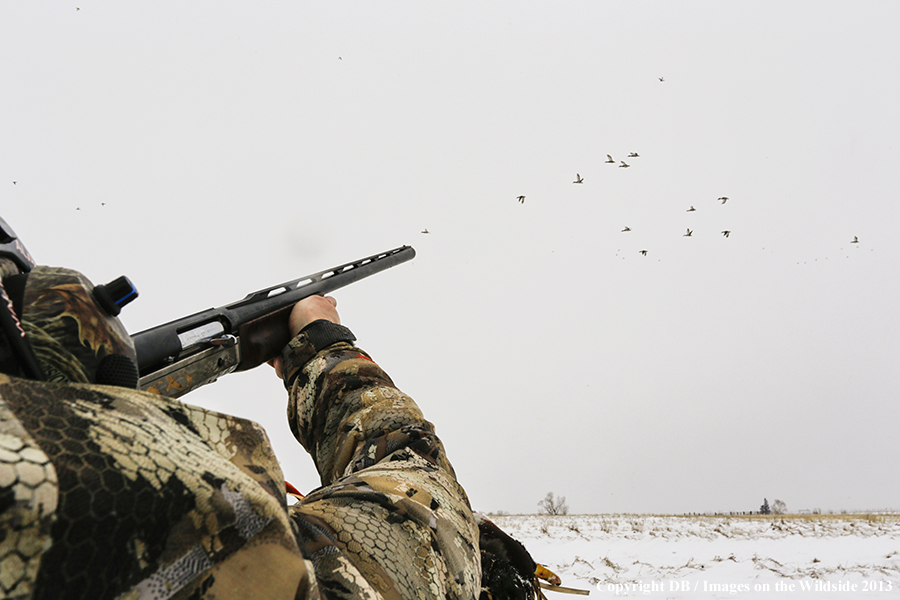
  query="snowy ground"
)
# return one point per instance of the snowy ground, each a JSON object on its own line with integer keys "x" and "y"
{"x": 747, "y": 557}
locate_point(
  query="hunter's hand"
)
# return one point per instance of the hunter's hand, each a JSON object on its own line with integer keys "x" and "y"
{"x": 312, "y": 309}
{"x": 305, "y": 312}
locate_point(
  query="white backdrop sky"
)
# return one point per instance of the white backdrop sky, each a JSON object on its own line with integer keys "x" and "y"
{"x": 209, "y": 149}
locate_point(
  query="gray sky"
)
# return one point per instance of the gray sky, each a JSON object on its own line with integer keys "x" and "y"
{"x": 216, "y": 148}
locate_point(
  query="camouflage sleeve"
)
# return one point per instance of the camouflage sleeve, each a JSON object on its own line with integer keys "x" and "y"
{"x": 391, "y": 520}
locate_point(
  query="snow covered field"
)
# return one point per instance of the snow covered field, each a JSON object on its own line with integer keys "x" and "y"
{"x": 747, "y": 557}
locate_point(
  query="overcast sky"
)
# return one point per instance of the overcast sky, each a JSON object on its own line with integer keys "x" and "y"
{"x": 210, "y": 149}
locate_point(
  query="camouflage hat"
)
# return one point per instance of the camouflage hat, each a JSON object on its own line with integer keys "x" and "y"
{"x": 74, "y": 338}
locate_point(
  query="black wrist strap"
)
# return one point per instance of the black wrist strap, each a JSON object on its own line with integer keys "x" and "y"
{"x": 313, "y": 338}
{"x": 323, "y": 333}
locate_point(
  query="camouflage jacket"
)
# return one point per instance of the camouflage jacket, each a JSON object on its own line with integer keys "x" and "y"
{"x": 112, "y": 493}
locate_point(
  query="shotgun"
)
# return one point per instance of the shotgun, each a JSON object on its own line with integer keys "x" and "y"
{"x": 182, "y": 355}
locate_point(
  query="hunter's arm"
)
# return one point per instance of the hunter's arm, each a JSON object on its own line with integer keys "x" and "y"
{"x": 345, "y": 410}
{"x": 390, "y": 516}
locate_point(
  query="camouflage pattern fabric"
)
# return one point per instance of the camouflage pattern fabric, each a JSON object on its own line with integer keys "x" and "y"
{"x": 69, "y": 333}
{"x": 113, "y": 493}
{"x": 390, "y": 521}
{"x": 107, "y": 492}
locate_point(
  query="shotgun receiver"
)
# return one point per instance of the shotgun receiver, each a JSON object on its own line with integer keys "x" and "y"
{"x": 180, "y": 356}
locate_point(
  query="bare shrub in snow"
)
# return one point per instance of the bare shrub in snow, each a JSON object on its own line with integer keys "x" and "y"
{"x": 553, "y": 505}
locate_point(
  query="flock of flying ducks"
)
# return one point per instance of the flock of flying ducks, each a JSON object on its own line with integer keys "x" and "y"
{"x": 689, "y": 232}
{"x": 624, "y": 165}
{"x": 579, "y": 180}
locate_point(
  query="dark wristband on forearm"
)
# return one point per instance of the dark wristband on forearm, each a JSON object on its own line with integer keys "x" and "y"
{"x": 323, "y": 333}
{"x": 312, "y": 339}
